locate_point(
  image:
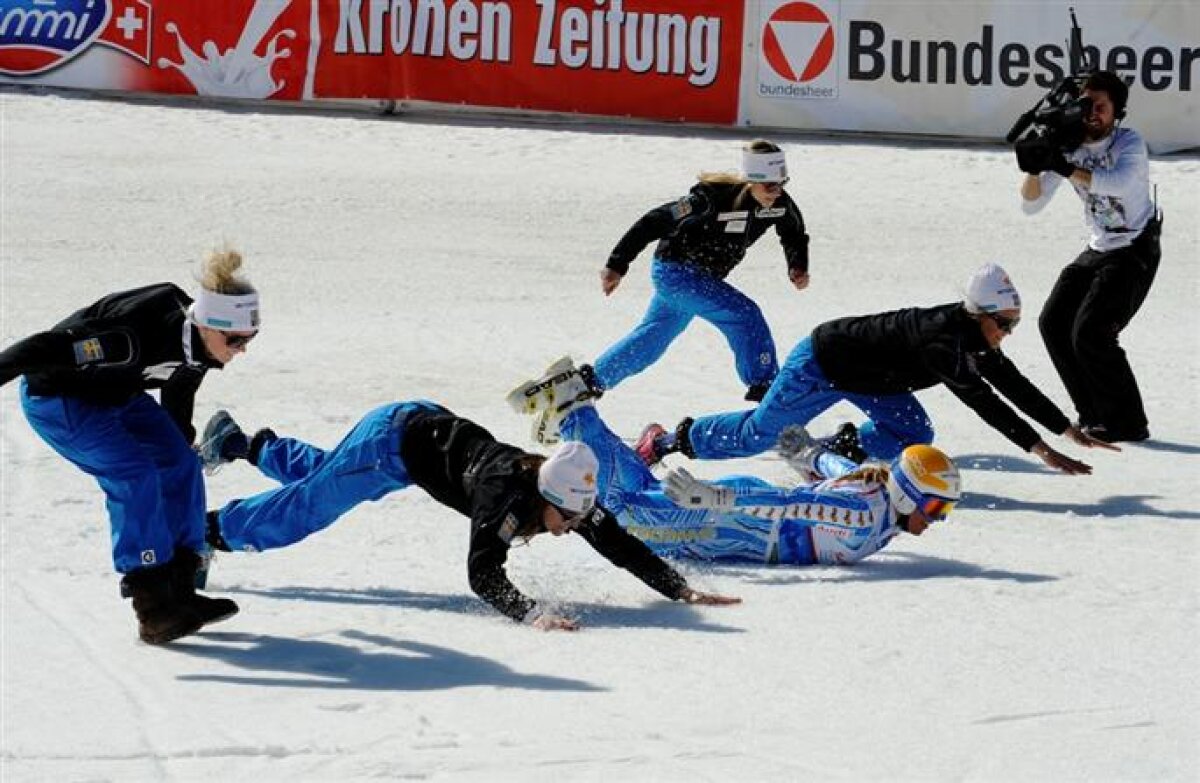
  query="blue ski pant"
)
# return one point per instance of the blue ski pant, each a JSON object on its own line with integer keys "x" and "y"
{"x": 800, "y": 393}
{"x": 319, "y": 486}
{"x": 681, "y": 293}
{"x": 152, "y": 483}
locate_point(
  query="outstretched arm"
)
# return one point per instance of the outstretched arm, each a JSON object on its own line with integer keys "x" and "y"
{"x": 627, "y": 551}
{"x": 751, "y": 497}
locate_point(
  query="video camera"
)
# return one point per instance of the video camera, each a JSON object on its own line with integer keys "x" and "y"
{"x": 1055, "y": 124}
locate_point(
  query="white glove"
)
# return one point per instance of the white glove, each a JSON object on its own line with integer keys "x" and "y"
{"x": 690, "y": 492}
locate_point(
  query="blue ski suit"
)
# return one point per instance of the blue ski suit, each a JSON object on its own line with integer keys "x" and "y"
{"x": 834, "y": 521}
{"x": 459, "y": 463}
{"x": 702, "y": 237}
{"x": 85, "y": 394}
{"x": 876, "y": 362}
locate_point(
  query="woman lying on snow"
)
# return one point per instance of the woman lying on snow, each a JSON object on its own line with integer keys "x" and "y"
{"x": 843, "y": 513}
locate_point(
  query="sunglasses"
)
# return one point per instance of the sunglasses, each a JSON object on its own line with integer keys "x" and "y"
{"x": 573, "y": 519}
{"x": 1004, "y": 323}
{"x": 777, "y": 185}
{"x": 935, "y": 509}
{"x": 238, "y": 340}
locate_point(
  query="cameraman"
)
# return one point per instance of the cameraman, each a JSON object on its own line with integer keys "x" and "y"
{"x": 1099, "y": 292}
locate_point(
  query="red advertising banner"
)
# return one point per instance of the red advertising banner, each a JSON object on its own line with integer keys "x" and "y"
{"x": 676, "y": 60}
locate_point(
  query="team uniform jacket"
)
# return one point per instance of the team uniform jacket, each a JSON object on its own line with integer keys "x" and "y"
{"x": 461, "y": 465}
{"x": 916, "y": 348}
{"x": 711, "y": 228}
{"x": 110, "y": 351}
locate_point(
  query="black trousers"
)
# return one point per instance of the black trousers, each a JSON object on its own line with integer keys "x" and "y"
{"x": 1094, "y": 299}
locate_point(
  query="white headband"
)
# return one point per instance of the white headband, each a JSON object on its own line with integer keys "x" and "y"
{"x": 227, "y": 312}
{"x": 764, "y": 166}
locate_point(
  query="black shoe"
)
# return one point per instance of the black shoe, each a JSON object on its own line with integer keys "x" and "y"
{"x": 1117, "y": 435}
{"x": 260, "y": 439}
{"x": 162, "y": 616}
{"x": 183, "y": 581}
{"x": 756, "y": 392}
{"x": 845, "y": 443}
{"x": 595, "y": 388}
{"x": 212, "y": 532}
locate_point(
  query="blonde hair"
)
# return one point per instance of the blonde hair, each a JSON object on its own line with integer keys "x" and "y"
{"x": 219, "y": 273}
{"x": 868, "y": 474}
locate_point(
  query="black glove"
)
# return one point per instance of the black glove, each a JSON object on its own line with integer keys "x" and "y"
{"x": 1037, "y": 155}
{"x": 1033, "y": 155}
{"x": 1059, "y": 164}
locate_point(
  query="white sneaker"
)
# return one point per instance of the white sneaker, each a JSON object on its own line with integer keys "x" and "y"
{"x": 557, "y": 390}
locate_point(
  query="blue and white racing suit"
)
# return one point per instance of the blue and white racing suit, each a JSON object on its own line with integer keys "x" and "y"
{"x": 831, "y": 522}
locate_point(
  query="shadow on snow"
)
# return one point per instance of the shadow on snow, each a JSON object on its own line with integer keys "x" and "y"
{"x": 663, "y": 614}
{"x": 370, "y": 662}
{"x": 1111, "y": 506}
{"x": 1002, "y": 463}
{"x": 884, "y": 567}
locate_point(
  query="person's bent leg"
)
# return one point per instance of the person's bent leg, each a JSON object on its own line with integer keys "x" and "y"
{"x": 365, "y": 466}
{"x": 1057, "y": 323}
{"x": 1116, "y": 294}
{"x": 799, "y": 393}
{"x": 180, "y": 476}
{"x": 649, "y": 340}
{"x": 93, "y": 439}
{"x": 741, "y": 322}
{"x": 895, "y": 422}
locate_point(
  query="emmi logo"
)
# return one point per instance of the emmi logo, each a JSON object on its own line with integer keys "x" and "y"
{"x": 39, "y": 35}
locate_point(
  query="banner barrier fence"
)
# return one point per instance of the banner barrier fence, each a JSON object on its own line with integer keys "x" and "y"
{"x": 928, "y": 67}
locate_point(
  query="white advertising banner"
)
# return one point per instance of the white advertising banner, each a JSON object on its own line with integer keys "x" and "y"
{"x": 967, "y": 69}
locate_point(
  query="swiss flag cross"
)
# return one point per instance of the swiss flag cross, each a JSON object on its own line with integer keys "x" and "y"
{"x": 128, "y": 29}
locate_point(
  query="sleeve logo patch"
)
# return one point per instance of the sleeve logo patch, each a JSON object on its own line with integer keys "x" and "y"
{"x": 88, "y": 351}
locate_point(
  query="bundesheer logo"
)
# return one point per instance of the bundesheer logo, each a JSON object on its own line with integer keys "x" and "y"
{"x": 798, "y": 43}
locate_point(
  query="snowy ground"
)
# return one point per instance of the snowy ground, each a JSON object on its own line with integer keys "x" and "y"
{"x": 1048, "y": 631}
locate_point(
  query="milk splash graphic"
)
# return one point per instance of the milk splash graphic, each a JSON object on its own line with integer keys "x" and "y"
{"x": 238, "y": 73}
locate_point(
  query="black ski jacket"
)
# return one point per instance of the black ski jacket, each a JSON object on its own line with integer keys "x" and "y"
{"x": 916, "y": 348}
{"x": 124, "y": 344}
{"x": 711, "y": 227}
{"x": 464, "y": 467}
